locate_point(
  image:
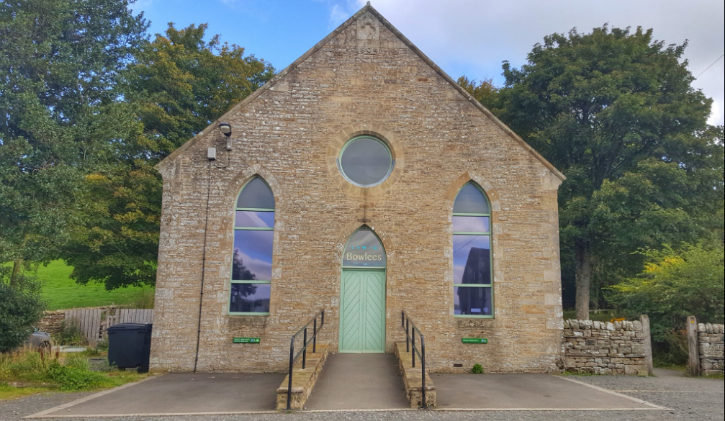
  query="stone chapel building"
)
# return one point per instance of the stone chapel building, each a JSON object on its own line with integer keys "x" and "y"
{"x": 364, "y": 181}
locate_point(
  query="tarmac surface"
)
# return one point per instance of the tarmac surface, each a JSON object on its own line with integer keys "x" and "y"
{"x": 182, "y": 393}
{"x": 684, "y": 397}
{"x": 359, "y": 381}
{"x": 526, "y": 392}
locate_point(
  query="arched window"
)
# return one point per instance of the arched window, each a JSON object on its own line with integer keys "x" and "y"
{"x": 472, "y": 261}
{"x": 253, "y": 244}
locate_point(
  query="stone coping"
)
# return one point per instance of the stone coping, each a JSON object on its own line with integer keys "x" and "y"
{"x": 412, "y": 379}
{"x": 303, "y": 380}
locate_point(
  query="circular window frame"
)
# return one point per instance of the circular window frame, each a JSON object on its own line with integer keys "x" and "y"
{"x": 391, "y": 167}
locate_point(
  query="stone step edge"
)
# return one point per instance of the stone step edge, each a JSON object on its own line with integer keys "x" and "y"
{"x": 303, "y": 380}
{"x": 412, "y": 379}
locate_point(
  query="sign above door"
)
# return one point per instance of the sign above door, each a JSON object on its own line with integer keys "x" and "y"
{"x": 364, "y": 250}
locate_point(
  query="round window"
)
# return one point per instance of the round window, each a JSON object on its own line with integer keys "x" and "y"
{"x": 365, "y": 161}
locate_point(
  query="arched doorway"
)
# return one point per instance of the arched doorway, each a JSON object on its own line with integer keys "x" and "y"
{"x": 362, "y": 294}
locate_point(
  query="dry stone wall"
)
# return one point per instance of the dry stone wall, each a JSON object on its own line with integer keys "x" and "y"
{"x": 710, "y": 344}
{"x": 51, "y": 321}
{"x": 605, "y": 347}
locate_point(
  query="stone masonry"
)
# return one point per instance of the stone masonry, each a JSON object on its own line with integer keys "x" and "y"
{"x": 290, "y": 132}
{"x": 710, "y": 343}
{"x": 51, "y": 321}
{"x": 605, "y": 347}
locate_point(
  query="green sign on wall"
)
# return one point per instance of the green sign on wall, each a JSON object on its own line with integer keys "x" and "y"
{"x": 474, "y": 340}
{"x": 246, "y": 340}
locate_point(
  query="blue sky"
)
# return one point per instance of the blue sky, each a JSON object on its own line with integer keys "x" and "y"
{"x": 464, "y": 37}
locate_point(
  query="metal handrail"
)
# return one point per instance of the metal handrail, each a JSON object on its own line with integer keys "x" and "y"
{"x": 407, "y": 324}
{"x": 303, "y": 351}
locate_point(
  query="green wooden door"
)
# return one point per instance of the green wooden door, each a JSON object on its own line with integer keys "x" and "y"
{"x": 362, "y": 313}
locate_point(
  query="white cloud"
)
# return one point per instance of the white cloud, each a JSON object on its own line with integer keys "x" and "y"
{"x": 475, "y": 36}
{"x": 259, "y": 267}
{"x": 338, "y": 15}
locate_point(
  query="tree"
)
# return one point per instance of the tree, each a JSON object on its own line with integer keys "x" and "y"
{"x": 179, "y": 85}
{"x": 60, "y": 113}
{"x": 616, "y": 113}
{"x": 676, "y": 284}
{"x": 21, "y": 308}
{"x": 483, "y": 91}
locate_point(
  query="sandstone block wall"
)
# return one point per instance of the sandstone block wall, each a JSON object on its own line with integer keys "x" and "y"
{"x": 711, "y": 347}
{"x": 290, "y": 132}
{"x": 605, "y": 347}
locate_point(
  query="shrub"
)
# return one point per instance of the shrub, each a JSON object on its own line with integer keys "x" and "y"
{"x": 71, "y": 377}
{"x": 74, "y": 372}
{"x": 21, "y": 308}
{"x": 102, "y": 345}
{"x": 69, "y": 334}
{"x": 477, "y": 369}
{"x": 23, "y": 364}
{"x": 675, "y": 284}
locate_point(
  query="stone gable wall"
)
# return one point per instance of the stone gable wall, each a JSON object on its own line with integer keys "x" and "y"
{"x": 711, "y": 347}
{"x": 290, "y": 134}
{"x": 605, "y": 347}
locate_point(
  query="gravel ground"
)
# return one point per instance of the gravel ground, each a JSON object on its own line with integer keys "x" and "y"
{"x": 686, "y": 398}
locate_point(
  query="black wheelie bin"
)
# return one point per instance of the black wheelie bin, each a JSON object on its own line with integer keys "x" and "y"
{"x": 129, "y": 345}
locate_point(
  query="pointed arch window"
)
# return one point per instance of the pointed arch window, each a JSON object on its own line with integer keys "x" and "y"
{"x": 472, "y": 257}
{"x": 253, "y": 245}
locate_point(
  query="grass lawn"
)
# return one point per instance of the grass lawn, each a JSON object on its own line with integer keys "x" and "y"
{"x": 9, "y": 392}
{"x": 61, "y": 292}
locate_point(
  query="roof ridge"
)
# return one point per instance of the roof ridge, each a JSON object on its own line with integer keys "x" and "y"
{"x": 266, "y": 86}
{"x": 410, "y": 45}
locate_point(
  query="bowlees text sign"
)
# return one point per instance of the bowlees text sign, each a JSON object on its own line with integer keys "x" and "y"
{"x": 364, "y": 250}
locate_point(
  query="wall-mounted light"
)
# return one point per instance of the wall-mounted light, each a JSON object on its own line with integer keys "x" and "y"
{"x": 226, "y": 128}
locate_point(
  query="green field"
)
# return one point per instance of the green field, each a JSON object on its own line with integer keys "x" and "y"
{"x": 61, "y": 292}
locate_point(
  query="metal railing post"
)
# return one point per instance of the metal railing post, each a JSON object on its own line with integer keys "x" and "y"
{"x": 412, "y": 339}
{"x": 291, "y": 362}
{"x": 422, "y": 368}
{"x": 304, "y": 350}
{"x": 407, "y": 335}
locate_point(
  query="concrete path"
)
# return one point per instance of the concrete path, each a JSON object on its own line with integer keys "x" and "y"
{"x": 526, "y": 392}
{"x": 180, "y": 393}
{"x": 359, "y": 381}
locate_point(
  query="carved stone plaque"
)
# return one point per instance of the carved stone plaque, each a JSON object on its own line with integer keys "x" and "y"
{"x": 368, "y": 35}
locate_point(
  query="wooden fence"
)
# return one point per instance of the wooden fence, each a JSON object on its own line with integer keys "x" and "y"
{"x": 94, "y": 322}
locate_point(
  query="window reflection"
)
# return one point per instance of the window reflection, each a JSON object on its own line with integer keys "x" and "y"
{"x": 252, "y": 255}
{"x": 470, "y": 200}
{"x": 474, "y": 301}
{"x": 366, "y": 161}
{"x": 256, "y": 194}
{"x": 471, "y": 259}
{"x": 472, "y": 272}
{"x": 470, "y": 224}
{"x": 254, "y": 219}
{"x": 250, "y": 298}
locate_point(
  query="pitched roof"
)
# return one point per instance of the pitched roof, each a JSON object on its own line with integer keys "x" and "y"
{"x": 319, "y": 45}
